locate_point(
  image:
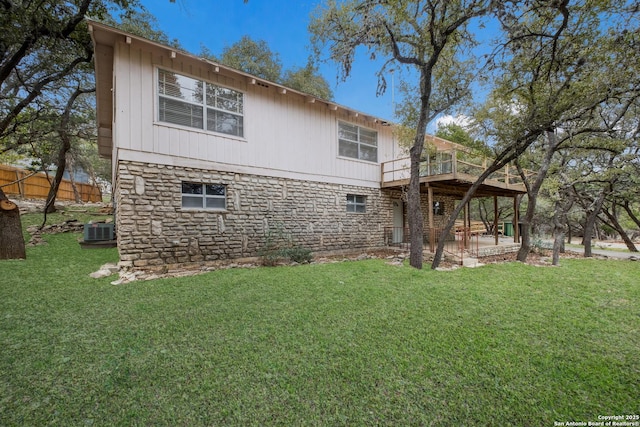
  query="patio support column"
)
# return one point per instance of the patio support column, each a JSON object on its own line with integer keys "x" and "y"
{"x": 468, "y": 224}
{"x": 454, "y": 163}
{"x": 432, "y": 232}
{"x": 465, "y": 222}
{"x": 495, "y": 219}
{"x": 516, "y": 221}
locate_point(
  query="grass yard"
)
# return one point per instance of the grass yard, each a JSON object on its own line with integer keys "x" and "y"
{"x": 354, "y": 343}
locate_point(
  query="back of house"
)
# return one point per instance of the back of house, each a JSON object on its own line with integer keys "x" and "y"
{"x": 210, "y": 163}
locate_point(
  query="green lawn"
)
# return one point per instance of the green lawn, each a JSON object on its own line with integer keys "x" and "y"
{"x": 354, "y": 343}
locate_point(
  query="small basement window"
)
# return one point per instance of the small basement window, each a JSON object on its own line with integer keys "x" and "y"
{"x": 204, "y": 196}
{"x": 438, "y": 208}
{"x": 356, "y": 203}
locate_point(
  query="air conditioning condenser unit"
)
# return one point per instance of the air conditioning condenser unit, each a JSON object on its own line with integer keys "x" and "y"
{"x": 98, "y": 231}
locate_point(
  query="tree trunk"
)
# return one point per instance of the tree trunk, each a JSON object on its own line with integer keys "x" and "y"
{"x": 627, "y": 208}
{"x": 11, "y": 239}
{"x": 414, "y": 208}
{"x": 76, "y": 194}
{"x": 65, "y": 137}
{"x": 567, "y": 222}
{"x": 532, "y": 194}
{"x": 50, "y": 206}
{"x": 613, "y": 223}
{"x": 558, "y": 232}
{"x": 484, "y": 216}
{"x": 415, "y": 216}
{"x": 590, "y": 224}
{"x": 593, "y": 210}
{"x": 598, "y": 230}
{"x": 558, "y": 242}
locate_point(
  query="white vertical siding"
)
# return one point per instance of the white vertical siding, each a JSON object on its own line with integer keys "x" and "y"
{"x": 282, "y": 132}
{"x": 122, "y": 88}
{"x": 134, "y": 98}
{"x": 147, "y": 113}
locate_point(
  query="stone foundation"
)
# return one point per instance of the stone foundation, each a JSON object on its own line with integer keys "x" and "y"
{"x": 156, "y": 233}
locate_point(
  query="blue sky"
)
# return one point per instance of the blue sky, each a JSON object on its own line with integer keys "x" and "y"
{"x": 283, "y": 25}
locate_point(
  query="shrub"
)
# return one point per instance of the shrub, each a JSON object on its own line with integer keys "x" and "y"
{"x": 271, "y": 254}
{"x": 279, "y": 247}
{"x": 298, "y": 254}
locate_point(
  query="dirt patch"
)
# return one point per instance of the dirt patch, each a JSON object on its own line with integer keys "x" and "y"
{"x": 70, "y": 226}
{"x": 537, "y": 257}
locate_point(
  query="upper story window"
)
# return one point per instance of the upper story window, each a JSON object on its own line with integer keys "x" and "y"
{"x": 204, "y": 196}
{"x": 197, "y": 104}
{"x": 357, "y": 143}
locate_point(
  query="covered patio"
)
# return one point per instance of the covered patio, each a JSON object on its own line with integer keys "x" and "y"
{"x": 450, "y": 170}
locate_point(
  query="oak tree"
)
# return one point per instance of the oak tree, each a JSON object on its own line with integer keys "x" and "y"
{"x": 429, "y": 37}
{"x": 44, "y": 45}
{"x": 545, "y": 79}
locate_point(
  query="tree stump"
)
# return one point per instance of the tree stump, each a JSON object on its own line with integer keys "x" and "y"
{"x": 11, "y": 239}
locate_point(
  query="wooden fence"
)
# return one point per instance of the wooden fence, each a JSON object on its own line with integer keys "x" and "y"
{"x": 19, "y": 182}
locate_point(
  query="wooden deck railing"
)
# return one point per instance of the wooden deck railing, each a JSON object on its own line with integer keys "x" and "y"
{"x": 454, "y": 163}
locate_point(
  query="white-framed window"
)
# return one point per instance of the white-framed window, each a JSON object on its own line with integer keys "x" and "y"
{"x": 356, "y": 203}
{"x": 204, "y": 196}
{"x": 197, "y": 104}
{"x": 357, "y": 142}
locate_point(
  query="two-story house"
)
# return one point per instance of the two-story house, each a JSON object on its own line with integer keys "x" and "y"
{"x": 211, "y": 163}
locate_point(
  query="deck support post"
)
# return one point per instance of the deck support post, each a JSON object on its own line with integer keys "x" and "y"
{"x": 432, "y": 231}
{"x": 495, "y": 219}
{"x": 516, "y": 221}
{"x": 465, "y": 221}
{"x": 454, "y": 163}
{"x": 468, "y": 225}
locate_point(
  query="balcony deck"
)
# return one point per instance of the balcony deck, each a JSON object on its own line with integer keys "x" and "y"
{"x": 453, "y": 172}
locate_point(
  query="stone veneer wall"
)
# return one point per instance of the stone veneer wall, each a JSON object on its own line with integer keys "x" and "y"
{"x": 155, "y": 232}
{"x": 439, "y": 221}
